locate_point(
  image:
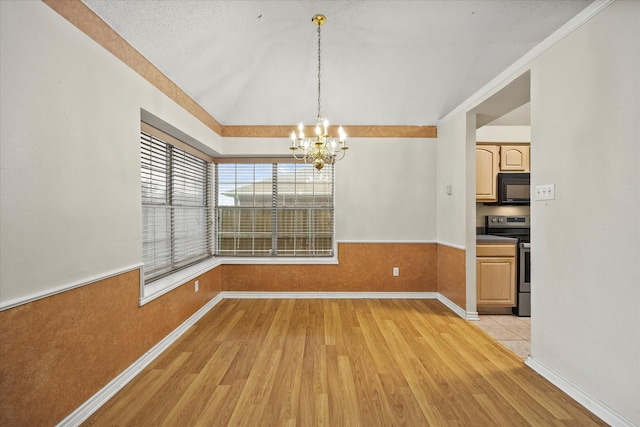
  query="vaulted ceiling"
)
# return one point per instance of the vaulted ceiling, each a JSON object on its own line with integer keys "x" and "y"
{"x": 383, "y": 62}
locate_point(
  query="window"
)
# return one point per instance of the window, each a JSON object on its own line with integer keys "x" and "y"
{"x": 279, "y": 209}
{"x": 176, "y": 208}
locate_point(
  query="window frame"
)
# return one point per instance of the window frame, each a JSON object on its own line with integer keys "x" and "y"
{"x": 275, "y": 208}
{"x": 157, "y": 288}
{"x": 188, "y": 176}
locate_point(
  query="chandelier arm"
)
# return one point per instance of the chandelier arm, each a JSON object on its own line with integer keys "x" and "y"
{"x": 344, "y": 153}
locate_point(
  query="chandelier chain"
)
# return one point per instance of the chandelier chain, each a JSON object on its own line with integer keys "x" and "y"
{"x": 321, "y": 149}
{"x": 319, "y": 116}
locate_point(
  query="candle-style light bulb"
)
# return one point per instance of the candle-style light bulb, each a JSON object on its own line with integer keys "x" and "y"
{"x": 317, "y": 130}
{"x": 325, "y": 124}
{"x": 300, "y": 130}
{"x": 293, "y": 138}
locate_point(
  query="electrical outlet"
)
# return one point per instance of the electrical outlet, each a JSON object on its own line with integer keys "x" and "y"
{"x": 396, "y": 271}
{"x": 197, "y": 286}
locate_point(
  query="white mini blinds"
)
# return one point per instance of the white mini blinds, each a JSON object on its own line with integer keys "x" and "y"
{"x": 278, "y": 209}
{"x": 176, "y": 208}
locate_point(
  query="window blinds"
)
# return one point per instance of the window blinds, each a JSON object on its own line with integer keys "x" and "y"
{"x": 176, "y": 208}
{"x": 278, "y": 209}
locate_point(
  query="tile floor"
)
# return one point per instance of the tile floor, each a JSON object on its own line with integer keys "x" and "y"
{"x": 511, "y": 331}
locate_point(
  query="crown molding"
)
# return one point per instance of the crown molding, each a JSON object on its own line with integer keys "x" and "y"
{"x": 517, "y": 67}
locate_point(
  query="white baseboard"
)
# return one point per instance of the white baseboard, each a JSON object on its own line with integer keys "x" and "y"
{"x": 84, "y": 411}
{"x": 451, "y": 305}
{"x": 334, "y": 295}
{"x": 604, "y": 412}
{"x": 472, "y": 315}
{"x": 468, "y": 315}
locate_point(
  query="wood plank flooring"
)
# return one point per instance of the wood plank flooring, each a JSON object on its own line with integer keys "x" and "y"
{"x": 310, "y": 362}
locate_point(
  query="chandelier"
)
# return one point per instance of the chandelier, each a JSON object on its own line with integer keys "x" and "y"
{"x": 320, "y": 149}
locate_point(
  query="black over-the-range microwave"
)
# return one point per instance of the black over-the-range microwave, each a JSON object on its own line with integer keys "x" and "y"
{"x": 513, "y": 189}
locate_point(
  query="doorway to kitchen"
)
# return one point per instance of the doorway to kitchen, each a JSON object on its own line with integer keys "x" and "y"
{"x": 502, "y": 223}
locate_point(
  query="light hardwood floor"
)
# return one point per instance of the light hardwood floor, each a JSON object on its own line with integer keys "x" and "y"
{"x": 310, "y": 362}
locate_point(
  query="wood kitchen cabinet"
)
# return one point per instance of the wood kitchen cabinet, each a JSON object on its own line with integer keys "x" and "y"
{"x": 514, "y": 158}
{"x": 487, "y": 163}
{"x": 494, "y": 158}
{"x": 496, "y": 275}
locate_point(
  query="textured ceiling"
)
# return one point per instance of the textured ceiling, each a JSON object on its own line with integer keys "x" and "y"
{"x": 383, "y": 62}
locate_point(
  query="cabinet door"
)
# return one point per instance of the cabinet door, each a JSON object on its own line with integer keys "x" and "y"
{"x": 487, "y": 159}
{"x": 496, "y": 282}
{"x": 514, "y": 158}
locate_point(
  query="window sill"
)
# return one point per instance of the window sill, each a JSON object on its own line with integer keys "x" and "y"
{"x": 280, "y": 260}
{"x": 162, "y": 286}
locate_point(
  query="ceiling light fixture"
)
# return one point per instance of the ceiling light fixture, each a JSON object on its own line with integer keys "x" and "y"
{"x": 320, "y": 149}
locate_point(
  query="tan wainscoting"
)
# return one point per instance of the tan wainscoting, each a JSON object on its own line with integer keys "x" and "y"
{"x": 451, "y": 274}
{"x": 364, "y": 267}
{"x": 367, "y": 131}
{"x": 57, "y": 352}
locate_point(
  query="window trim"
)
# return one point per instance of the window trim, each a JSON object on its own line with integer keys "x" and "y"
{"x": 166, "y": 284}
{"x": 292, "y": 259}
{"x": 162, "y": 137}
{"x": 159, "y": 287}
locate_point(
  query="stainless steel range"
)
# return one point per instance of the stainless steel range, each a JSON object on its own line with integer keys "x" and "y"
{"x": 518, "y": 227}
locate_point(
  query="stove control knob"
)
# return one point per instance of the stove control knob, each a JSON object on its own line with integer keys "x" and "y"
{"x": 493, "y": 219}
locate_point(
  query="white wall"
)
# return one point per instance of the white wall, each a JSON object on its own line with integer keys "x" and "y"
{"x": 452, "y": 170}
{"x": 585, "y": 97}
{"x": 385, "y": 191}
{"x": 456, "y": 211}
{"x": 503, "y": 134}
{"x": 70, "y": 165}
{"x": 70, "y": 172}
{"x": 585, "y": 244}
{"x": 385, "y": 187}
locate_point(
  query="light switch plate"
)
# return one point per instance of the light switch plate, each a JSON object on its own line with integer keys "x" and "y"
{"x": 546, "y": 192}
